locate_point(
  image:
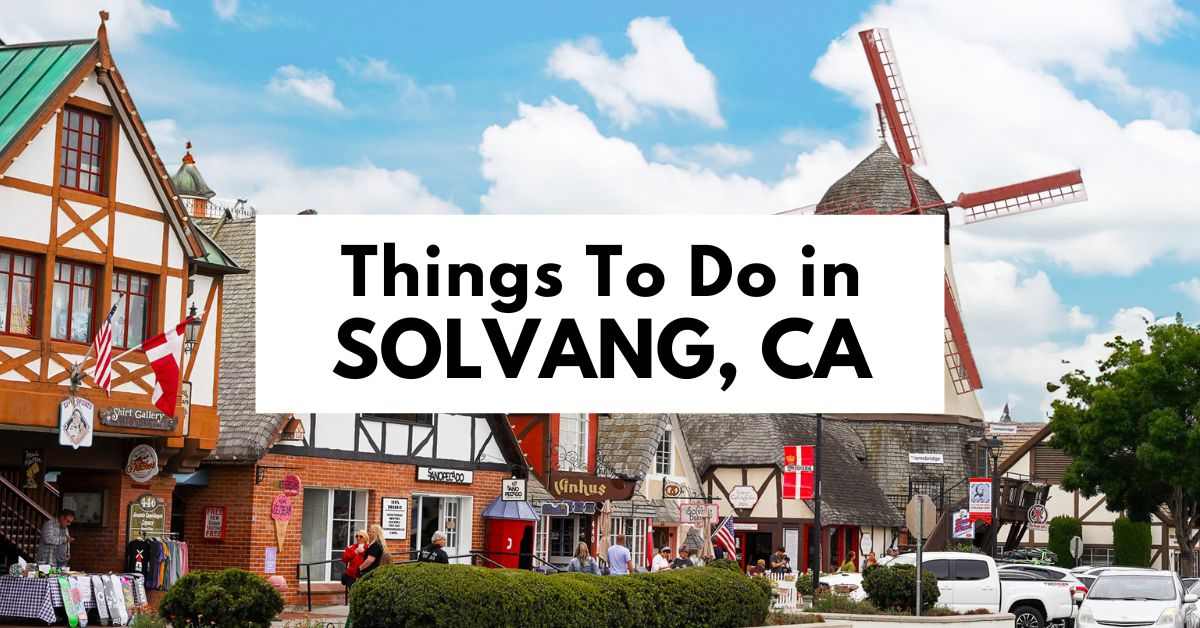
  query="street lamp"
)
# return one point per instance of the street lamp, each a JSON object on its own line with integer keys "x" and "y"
{"x": 193, "y": 326}
{"x": 993, "y": 445}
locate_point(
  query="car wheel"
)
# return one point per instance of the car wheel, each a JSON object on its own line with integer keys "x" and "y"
{"x": 1028, "y": 617}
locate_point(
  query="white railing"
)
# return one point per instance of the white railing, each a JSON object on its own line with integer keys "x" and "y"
{"x": 785, "y": 589}
{"x": 213, "y": 208}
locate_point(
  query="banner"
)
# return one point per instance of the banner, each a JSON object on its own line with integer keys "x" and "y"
{"x": 980, "y": 503}
{"x": 799, "y": 476}
{"x": 964, "y": 527}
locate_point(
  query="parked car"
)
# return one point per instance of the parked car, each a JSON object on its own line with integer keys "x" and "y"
{"x": 1050, "y": 572}
{"x": 1137, "y": 597}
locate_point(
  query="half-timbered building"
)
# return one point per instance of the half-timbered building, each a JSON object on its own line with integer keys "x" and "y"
{"x": 89, "y": 219}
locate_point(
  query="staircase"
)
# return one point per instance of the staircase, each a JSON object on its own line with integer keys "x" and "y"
{"x": 22, "y": 515}
{"x": 1014, "y": 497}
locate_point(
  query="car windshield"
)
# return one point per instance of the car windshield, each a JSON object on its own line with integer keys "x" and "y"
{"x": 1133, "y": 587}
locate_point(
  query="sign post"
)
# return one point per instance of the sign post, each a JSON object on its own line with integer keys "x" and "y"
{"x": 920, "y": 514}
{"x": 1076, "y": 549}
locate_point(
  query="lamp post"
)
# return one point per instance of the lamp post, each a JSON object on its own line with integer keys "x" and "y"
{"x": 820, "y": 538}
{"x": 992, "y": 446}
{"x": 193, "y": 326}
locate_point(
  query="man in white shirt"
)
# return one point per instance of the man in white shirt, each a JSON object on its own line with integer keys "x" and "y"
{"x": 619, "y": 558}
{"x": 662, "y": 560}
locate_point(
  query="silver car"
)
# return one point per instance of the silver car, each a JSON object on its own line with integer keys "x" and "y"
{"x": 1134, "y": 598}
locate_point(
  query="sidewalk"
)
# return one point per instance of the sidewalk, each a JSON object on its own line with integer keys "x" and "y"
{"x": 327, "y": 616}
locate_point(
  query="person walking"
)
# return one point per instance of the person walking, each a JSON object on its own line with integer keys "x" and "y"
{"x": 433, "y": 553}
{"x": 619, "y": 558}
{"x": 583, "y": 561}
{"x": 662, "y": 560}
{"x": 376, "y": 553}
{"x": 353, "y": 557}
{"x": 54, "y": 546}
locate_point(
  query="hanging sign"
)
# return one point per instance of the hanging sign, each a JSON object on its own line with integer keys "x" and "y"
{"x": 581, "y": 486}
{"x": 147, "y": 517}
{"x": 964, "y": 527}
{"x": 556, "y": 509}
{"x": 142, "y": 465}
{"x": 799, "y": 477}
{"x": 291, "y": 485}
{"x": 33, "y": 469}
{"x": 743, "y": 496}
{"x": 394, "y": 517}
{"x": 139, "y": 418}
{"x": 445, "y": 476}
{"x": 281, "y": 513}
{"x": 513, "y": 489}
{"x": 1039, "y": 517}
{"x": 926, "y": 459}
{"x": 76, "y": 420}
{"x": 696, "y": 513}
{"x": 980, "y": 503}
{"x": 214, "y": 523}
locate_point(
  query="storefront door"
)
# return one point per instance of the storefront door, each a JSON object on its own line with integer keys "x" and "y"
{"x": 451, "y": 516}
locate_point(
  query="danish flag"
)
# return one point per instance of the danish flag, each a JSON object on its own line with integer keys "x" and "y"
{"x": 163, "y": 351}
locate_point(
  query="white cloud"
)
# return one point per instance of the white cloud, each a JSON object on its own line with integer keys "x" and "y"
{"x": 552, "y": 158}
{"x": 661, "y": 73}
{"x": 1189, "y": 288}
{"x": 309, "y": 85}
{"x": 129, "y": 20}
{"x": 716, "y": 156}
{"x": 225, "y": 9}
{"x": 1002, "y": 303}
{"x": 410, "y": 94}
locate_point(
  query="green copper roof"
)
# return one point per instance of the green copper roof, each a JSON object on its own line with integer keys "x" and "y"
{"x": 29, "y": 75}
{"x": 214, "y": 256}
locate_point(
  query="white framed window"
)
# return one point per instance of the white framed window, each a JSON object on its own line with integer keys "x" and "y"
{"x": 331, "y": 516}
{"x": 572, "y": 442}
{"x": 541, "y": 539}
{"x": 634, "y": 530}
{"x": 449, "y": 514}
{"x": 450, "y": 508}
{"x": 663, "y": 454}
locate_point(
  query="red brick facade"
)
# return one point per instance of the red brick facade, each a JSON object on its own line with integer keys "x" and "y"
{"x": 248, "y": 508}
{"x": 102, "y": 549}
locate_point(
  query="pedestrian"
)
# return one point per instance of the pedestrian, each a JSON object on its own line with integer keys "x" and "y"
{"x": 376, "y": 553}
{"x": 684, "y": 559}
{"x": 583, "y": 561}
{"x": 662, "y": 560}
{"x": 433, "y": 553}
{"x": 778, "y": 560}
{"x": 619, "y": 558}
{"x": 718, "y": 552}
{"x": 851, "y": 564}
{"x": 757, "y": 569}
{"x": 353, "y": 557}
{"x": 872, "y": 561}
{"x": 54, "y": 547}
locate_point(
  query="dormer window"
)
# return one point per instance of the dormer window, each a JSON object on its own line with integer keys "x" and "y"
{"x": 82, "y": 164}
{"x": 573, "y": 442}
{"x": 662, "y": 454}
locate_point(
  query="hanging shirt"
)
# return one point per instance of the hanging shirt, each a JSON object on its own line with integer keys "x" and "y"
{"x": 137, "y": 556}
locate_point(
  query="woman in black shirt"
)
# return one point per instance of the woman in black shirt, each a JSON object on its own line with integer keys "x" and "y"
{"x": 376, "y": 553}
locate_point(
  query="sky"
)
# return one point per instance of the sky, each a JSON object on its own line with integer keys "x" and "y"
{"x": 707, "y": 107}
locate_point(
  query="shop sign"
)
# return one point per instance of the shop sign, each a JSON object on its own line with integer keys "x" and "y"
{"x": 980, "y": 504}
{"x": 281, "y": 513}
{"x": 696, "y": 513}
{"x": 964, "y": 527}
{"x": 556, "y": 509}
{"x": 445, "y": 476}
{"x": 513, "y": 489}
{"x": 748, "y": 526}
{"x": 291, "y": 485}
{"x": 214, "y": 523}
{"x": 270, "y": 554}
{"x": 583, "y": 508}
{"x": 743, "y": 496}
{"x": 926, "y": 459}
{"x": 33, "y": 469}
{"x": 138, "y": 418}
{"x": 76, "y": 420}
{"x": 584, "y": 487}
{"x": 142, "y": 465}
{"x": 147, "y": 517}
{"x": 394, "y": 517}
{"x": 799, "y": 477}
{"x": 1039, "y": 518}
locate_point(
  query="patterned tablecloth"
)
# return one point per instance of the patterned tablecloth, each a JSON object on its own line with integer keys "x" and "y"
{"x": 29, "y": 598}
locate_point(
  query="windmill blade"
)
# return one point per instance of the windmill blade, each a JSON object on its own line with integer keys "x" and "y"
{"x": 897, "y": 109}
{"x": 959, "y": 360}
{"x": 1027, "y": 196}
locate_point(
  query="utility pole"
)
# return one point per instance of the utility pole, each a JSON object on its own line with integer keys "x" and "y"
{"x": 816, "y": 569}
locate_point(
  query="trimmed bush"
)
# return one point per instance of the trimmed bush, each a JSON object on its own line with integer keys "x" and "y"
{"x": 1131, "y": 542}
{"x": 428, "y": 594}
{"x": 1062, "y": 530}
{"x": 231, "y": 597}
{"x": 894, "y": 588}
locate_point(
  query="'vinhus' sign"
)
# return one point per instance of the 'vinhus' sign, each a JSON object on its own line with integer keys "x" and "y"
{"x": 584, "y": 487}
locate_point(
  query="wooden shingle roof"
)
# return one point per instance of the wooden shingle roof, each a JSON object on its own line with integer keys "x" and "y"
{"x": 876, "y": 183}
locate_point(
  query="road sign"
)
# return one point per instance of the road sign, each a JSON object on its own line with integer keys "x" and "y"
{"x": 1076, "y": 547}
{"x": 920, "y": 515}
{"x": 926, "y": 459}
{"x": 1039, "y": 517}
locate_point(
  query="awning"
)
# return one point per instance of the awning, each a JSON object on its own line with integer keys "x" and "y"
{"x": 500, "y": 509}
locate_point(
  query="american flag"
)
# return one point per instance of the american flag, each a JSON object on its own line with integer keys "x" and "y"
{"x": 102, "y": 346}
{"x": 724, "y": 536}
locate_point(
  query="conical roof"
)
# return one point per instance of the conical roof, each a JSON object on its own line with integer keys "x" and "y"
{"x": 188, "y": 180}
{"x": 877, "y": 183}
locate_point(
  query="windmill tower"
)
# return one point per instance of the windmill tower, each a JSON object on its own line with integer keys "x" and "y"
{"x": 885, "y": 183}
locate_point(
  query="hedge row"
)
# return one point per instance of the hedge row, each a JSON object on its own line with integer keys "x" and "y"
{"x": 428, "y": 594}
{"x": 1132, "y": 541}
{"x": 1062, "y": 530}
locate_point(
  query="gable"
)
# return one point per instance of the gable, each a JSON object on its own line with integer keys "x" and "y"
{"x": 29, "y": 76}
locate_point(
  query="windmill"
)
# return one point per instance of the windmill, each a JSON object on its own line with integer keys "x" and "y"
{"x": 884, "y": 183}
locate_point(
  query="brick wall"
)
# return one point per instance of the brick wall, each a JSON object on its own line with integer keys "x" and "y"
{"x": 102, "y": 548}
{"x": 248, "y": 506}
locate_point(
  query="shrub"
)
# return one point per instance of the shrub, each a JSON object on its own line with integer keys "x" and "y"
{"x": 1062, "y": 530}
{"x": 834, "y": 603}
{"x": 427, "y": 594}
{"x": 787, "y": 619}
{"x": 144, "y": 620}
{"x": 724, "y": 563}
{"x": 894, "y": 588}
{"x": 1131, "y": 543}
{"x": 232, "y": 597}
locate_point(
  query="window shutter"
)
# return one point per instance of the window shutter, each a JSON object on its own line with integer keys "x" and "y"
{"x": 1049, "y": 464}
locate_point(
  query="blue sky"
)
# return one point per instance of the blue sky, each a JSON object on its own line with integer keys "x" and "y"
{"x": 717, "y": 107}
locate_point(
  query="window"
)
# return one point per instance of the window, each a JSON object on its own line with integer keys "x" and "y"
{"x": 634, "y": 529}
{"x": 572, "y": 442}
{"x": 330, "y": 519}
{"x": 970, "y": 570}
{"x": 562, "y": 537}
{"x": 1097, "y": 556}
{"x": 939, "y": 568}
{"x": 82, "y": 151}
{"x": 71, "y": 306}
{"x": 662, "y": 455}
{"x": 541, "y": 538}
{"x": 18, "y": 276}
{"x": 131, "y": 293}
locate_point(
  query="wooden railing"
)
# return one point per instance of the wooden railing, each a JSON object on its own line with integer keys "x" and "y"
{"x": 45, "y": 495}
{"x": 21, "y": 518}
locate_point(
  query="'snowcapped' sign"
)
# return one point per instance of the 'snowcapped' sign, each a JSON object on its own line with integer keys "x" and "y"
{"x": 626, "y": 313}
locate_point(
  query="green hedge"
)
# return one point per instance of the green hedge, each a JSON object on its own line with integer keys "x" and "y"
{"x": 1062, "y": 530}
{"x": 1131, "y": 543}
{"x": 428, "y": 594}
{"x": 232, "y": 597}
{"x": 894, "y": 588}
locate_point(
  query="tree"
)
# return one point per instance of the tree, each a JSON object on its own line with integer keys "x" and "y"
{"x": 1062, "y": 530}
{"x": 1132, "y": 430}
{"x": 1131, "y": 543}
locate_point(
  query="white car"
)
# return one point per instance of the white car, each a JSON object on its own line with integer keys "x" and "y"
{"x": 1137, "y": 597}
